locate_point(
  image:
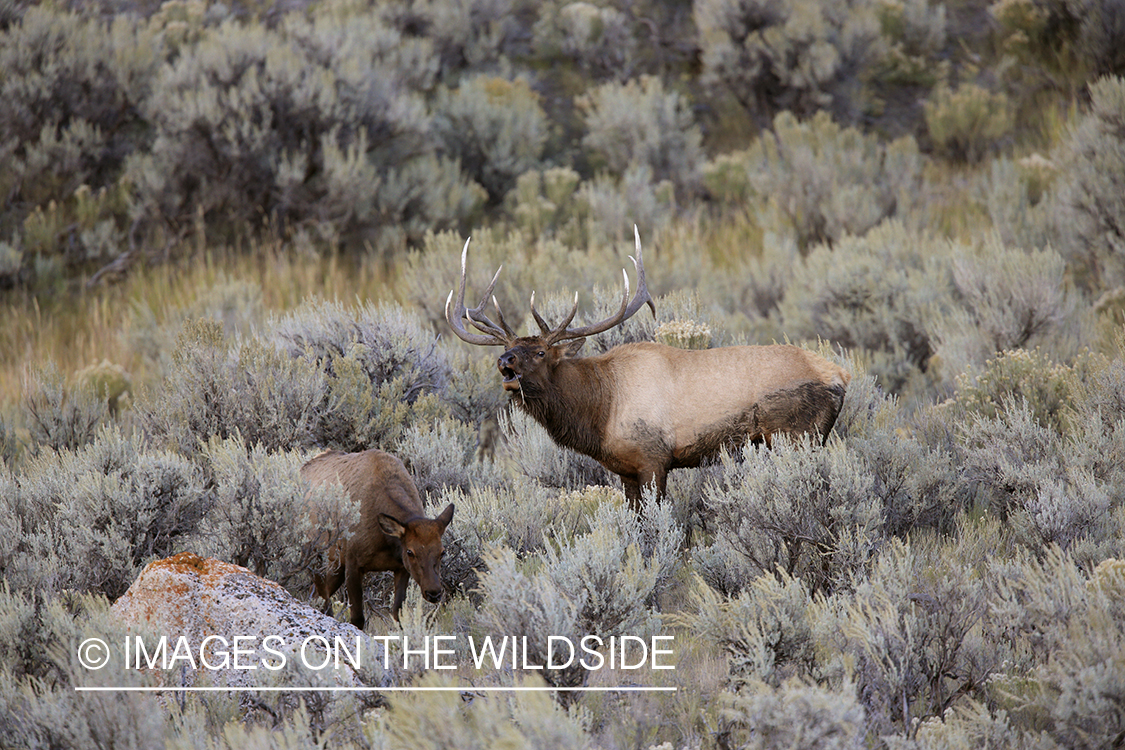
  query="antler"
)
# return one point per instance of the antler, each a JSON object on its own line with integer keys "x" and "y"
{"x": 626, "y": 311}
{"x": 501, "y": 334}
{"x": 494, "y": 334}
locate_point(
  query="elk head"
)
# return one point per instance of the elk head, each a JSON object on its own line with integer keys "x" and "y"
{"x": 527, "y": 358}
{"x": 422, "y": 549}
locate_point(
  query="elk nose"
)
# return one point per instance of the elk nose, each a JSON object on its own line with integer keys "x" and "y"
{"x": 506, "y": 359}
{"x": 433, "y": 596}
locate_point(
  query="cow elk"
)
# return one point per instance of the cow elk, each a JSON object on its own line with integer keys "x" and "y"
{"x": 392, "y": 533}
{"x": 643, "y": 409}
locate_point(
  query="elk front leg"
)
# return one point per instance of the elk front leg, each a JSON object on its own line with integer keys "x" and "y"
{"x": 353, "y": 582}
{"x": 635, "y": 485}
{"x": 402, "y": 578}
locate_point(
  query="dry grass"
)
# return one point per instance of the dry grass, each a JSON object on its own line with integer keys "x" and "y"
{"x": 88, "y": 325}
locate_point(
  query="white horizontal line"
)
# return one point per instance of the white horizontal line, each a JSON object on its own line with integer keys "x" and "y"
{"x": 337, "y": 689}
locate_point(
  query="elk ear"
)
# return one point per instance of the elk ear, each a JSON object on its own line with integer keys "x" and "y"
{"x": 571, "y": 348}
{"x": 391, "y": 526}
{"x": 445, "y": 517}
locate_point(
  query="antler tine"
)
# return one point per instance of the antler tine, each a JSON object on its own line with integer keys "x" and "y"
{"x": 550, "y": 333}
{"x": 546, "y": 329}
{"x": 494, "y": 335}
{"x": 628, "y": 308}
{"x": 503, "y": 323}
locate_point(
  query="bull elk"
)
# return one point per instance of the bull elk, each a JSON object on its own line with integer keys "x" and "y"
{"x": 392, "y": 534}
{"x": 643, "y": 409}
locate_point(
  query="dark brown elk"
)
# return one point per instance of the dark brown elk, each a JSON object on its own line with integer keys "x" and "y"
{"x": 392, "y": 533}
{"x": 643, "y": 409}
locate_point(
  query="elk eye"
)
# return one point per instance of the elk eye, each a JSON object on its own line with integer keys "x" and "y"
{"x": 540, "y": 353}
{"x": 410, "y": 553}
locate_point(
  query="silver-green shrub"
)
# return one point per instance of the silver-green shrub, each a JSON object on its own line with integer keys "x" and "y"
{"x": 529, "y": 606}
{"x": 1068, "y": 627}
{"x": 73, "y": 87}
{"x": 443, "y": 455}
{"x": 61, "y": 415}
{"x": 386, "y": 341}
{"x": 535, "y": 455}
{"x": 1089, "y": 203}
{"x": 265, "y": 517}
{"x": 871, "y": 293}
{"x": 39, "y": 671}
{"x": 1003, "y": 298}
{"x": 797, "y": 55}
{"x": 820, "y": 180}
{"x": 221, "y": 388}
{"x": 811, "y": 512}
{"x": 917, "y": 634}
{"x": 495, "y": 127}
{"x": 1051, "y": 490}
{"x": 640, "y": 123}
{"x": 329, "y": 136}
{"x": 599, "y": 40}
{"x": 765, "y": 630}
{"x": 438, "y": 720}
{"x": 968, "y": 123}
{"x": 915, "y": 34}
{"x": 795, "y": 714}
{"x": 92, "y": 517}
{"x": 616, "y": 569}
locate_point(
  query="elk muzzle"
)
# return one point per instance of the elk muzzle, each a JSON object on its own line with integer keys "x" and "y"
{"x": 509, "y": 366}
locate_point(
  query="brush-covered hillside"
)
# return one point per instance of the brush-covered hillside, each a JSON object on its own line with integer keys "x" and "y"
{"x": 227, "y": 235}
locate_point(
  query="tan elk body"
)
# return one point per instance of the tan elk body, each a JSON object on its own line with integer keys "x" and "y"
{"x": 644, "y": 409}
{"x": 392, "y": 533}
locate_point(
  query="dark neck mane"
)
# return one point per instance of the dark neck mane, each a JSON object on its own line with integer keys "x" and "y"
{"x": 573, "y": 406}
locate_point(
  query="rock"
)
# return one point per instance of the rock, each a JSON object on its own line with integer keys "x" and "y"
{"x": 222, "y": 625}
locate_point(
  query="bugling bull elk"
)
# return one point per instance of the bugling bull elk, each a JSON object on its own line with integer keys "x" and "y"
{"x": 643, "y": 409}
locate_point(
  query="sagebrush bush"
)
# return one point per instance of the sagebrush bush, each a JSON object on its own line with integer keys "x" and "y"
{"x": 1051, "y": 490}
{"x": 435, "y": 720}
{"x": 599, "y": 40}
{"x": 266, "y": 518}
{"x": 871, "y": 293}
{"x": 765, "y": 630}
{"x": 1089, "y": 204}
{"x": 545, "y": 203}
{"x": 386, "y": 340}
{"x": 535, "y": 455}
{"x": 968, "y": 123}
{"x": 73, "y": 88}
{"x": 444, "y": 455}
{"x": 323, "y": 142}
{"x": 221, "y": 388}
{"x": 61, "y": 415}
{"x": 616, "y": 569}
{"x": 1049, "y": 391}
{"x": 796, "y": 55}
{"x": 820, "y": 179}
{"x": 808, "y": 511}
{"x": 916, "y": 635}
{"x": 1071, "y": 625}
{"x": 1067, "y": 41}
{"x": 915, "y": 35}
{"x": 152, "y": 333}
{"x": 795, "y": 714}
{"x": 531, "y": 607}
{"x": 1004, "y": 298}
{"x": 92, "y": 517}
{"x": 640, "y": 124}
{"x": 495, "y": 127}
{"x": 39, "y": 671}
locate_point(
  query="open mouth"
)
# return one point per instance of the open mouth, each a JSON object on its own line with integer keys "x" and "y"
{"x": 511, "y": 379}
